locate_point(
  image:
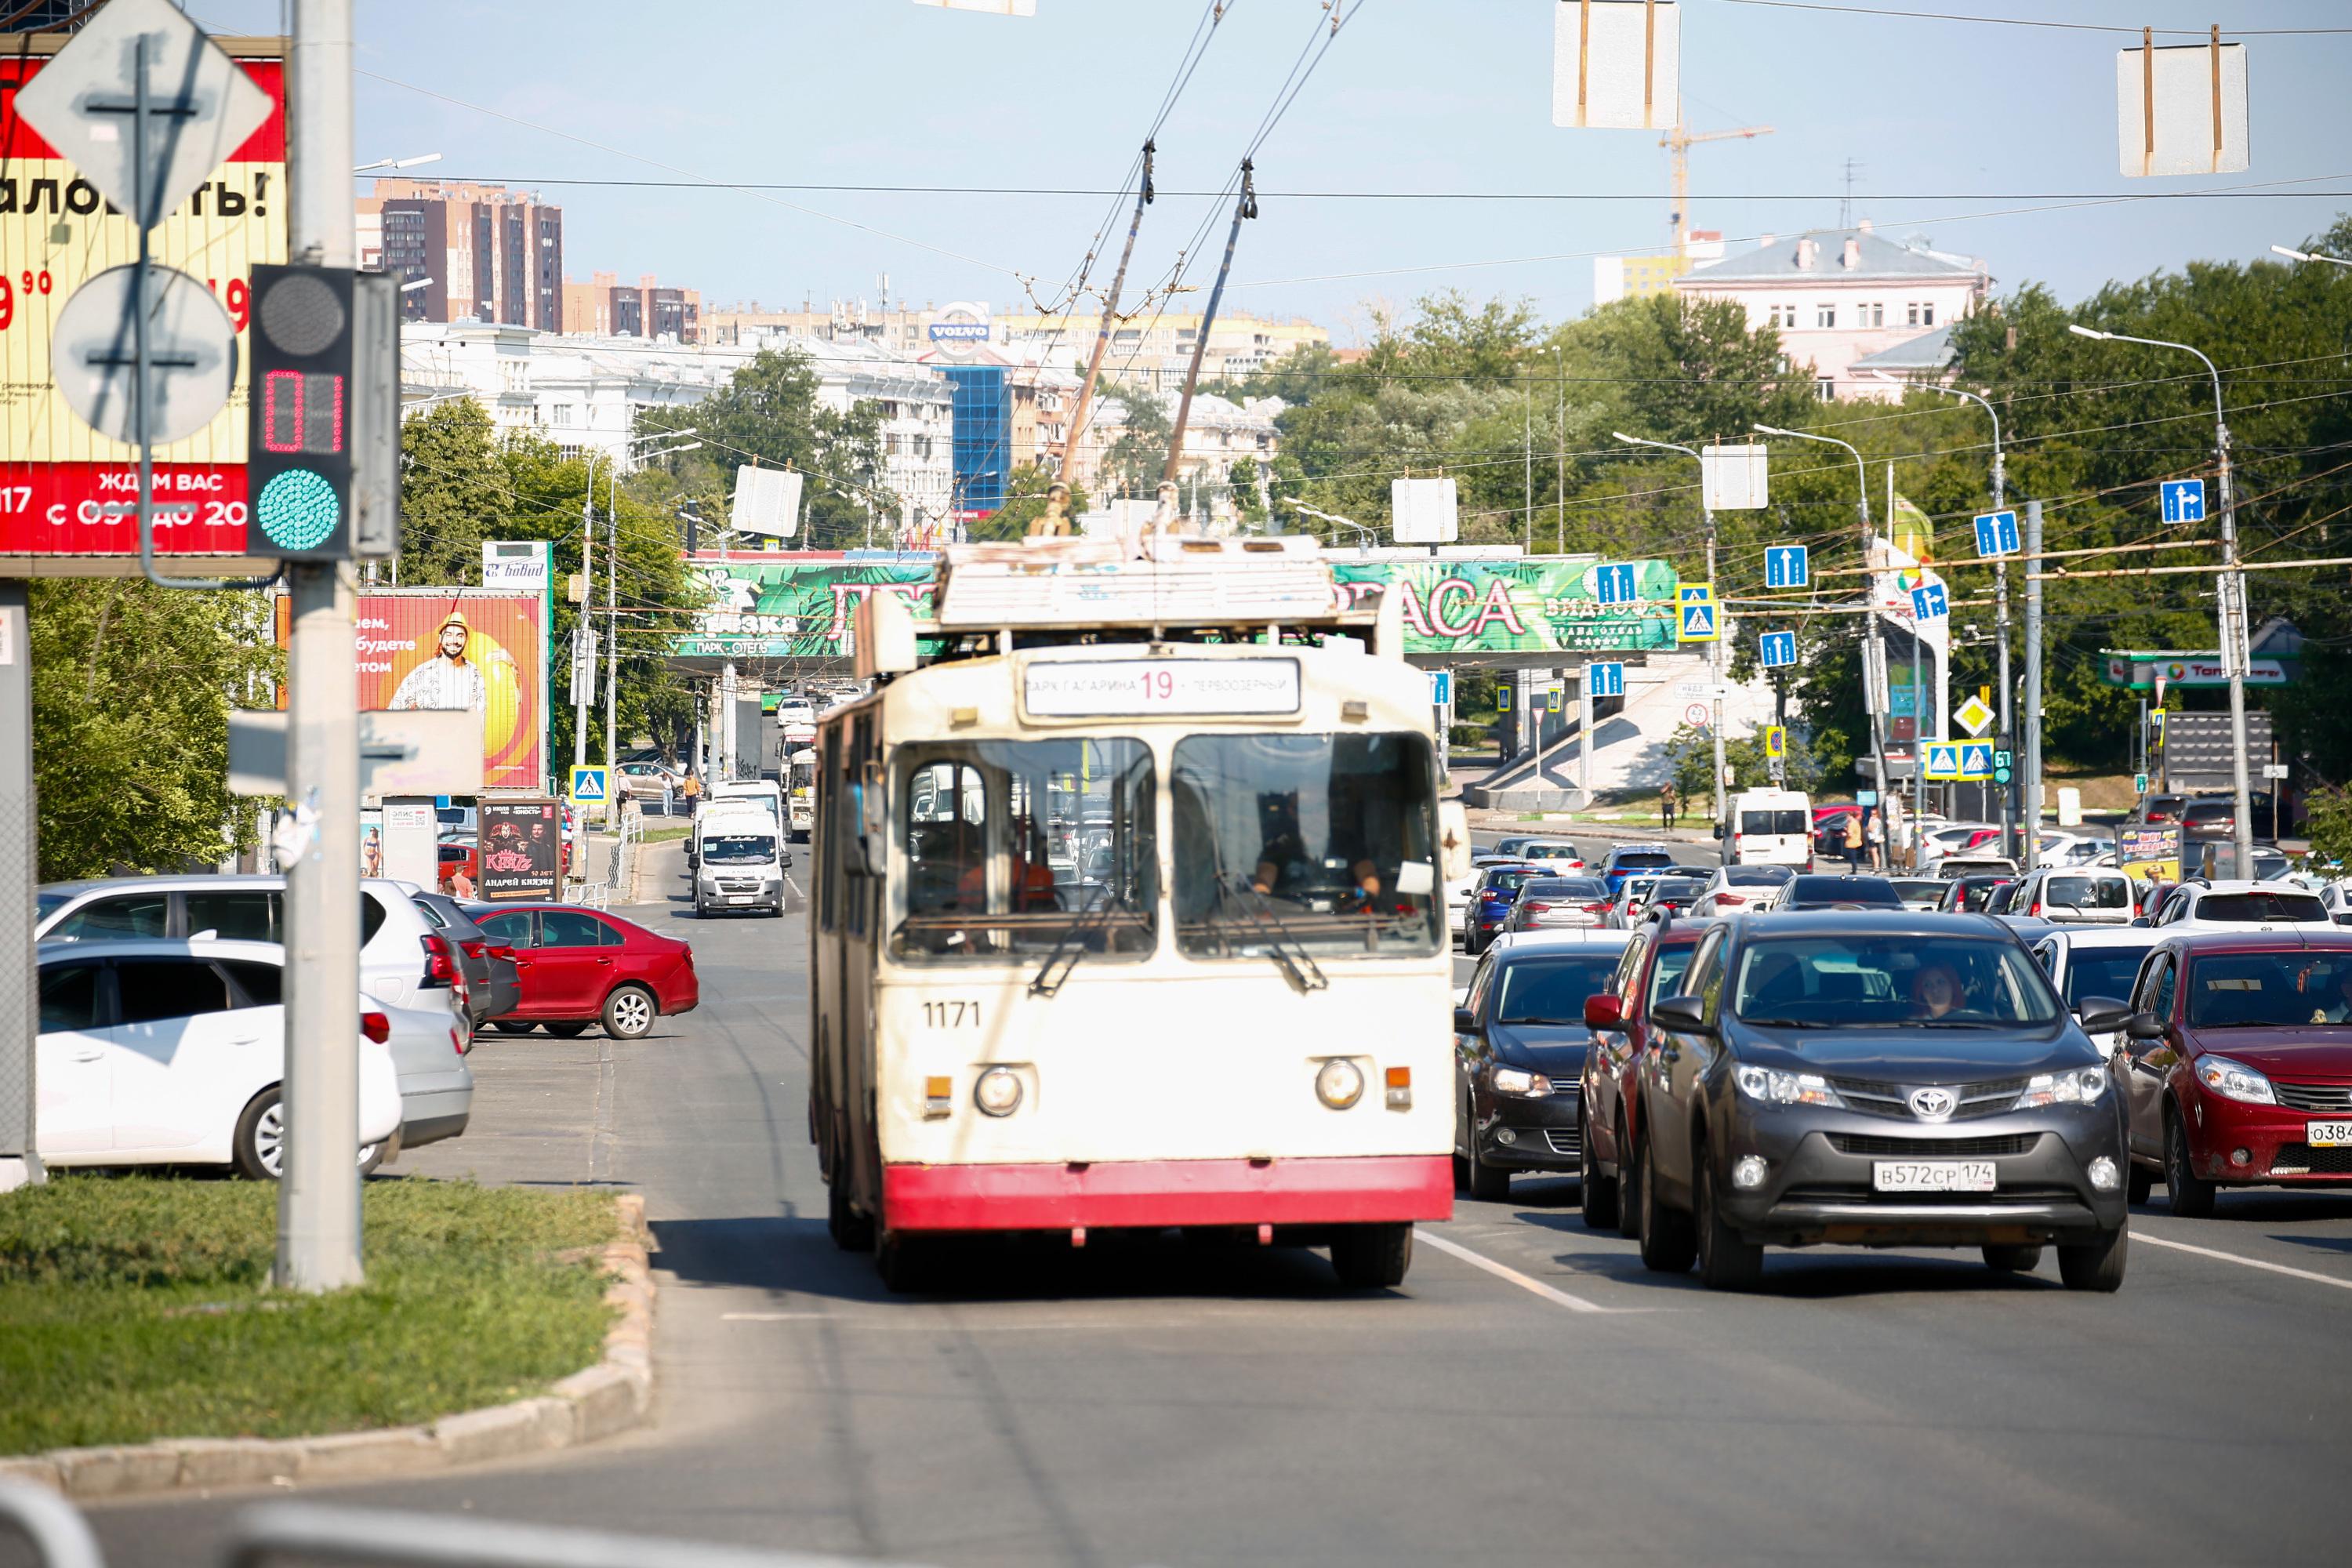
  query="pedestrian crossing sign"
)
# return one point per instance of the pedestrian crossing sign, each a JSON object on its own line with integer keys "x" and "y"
{"x": 1698, "y": 619}
{"x": 1959, "y": 759}
{"x": 588, "y": 787}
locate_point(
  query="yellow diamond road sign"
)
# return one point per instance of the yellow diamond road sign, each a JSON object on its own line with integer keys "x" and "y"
{"x": 1973, "y": 715}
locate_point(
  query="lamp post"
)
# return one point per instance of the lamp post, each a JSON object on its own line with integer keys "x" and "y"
{"x": 1371, "y": 537}
{"x": 1715, "y": 649}
{"x": 2310, "y": 256}
{"x": 2009, "y": 844}
{"x": 398, "y": 163}
{"x": 2232, "y": 585}
{"x": 1875, "y": 660}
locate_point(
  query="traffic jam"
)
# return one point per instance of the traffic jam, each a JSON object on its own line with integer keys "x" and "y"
{"x": 1782, "y": 1052}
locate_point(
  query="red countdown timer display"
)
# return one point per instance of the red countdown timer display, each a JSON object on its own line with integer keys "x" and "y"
{"x": 302, "y": 412}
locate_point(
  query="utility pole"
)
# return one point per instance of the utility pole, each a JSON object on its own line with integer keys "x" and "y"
{"x": 20, "y": 1162}
{"x": 1244, "y": 206}
{"x": 2033, "y": 813}
{"x": 1109, "y": 315}
{"x": 2236, "y": 640}
{"x": 1716, "y": 792}
{"x": 318, "y": 1191}
{"x": 1528, "y": 441}
{"x": 612, "y": 625}
{"x": 1560, "y": 515}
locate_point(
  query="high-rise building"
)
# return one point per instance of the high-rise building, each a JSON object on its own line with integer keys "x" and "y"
{"x": 605, "y": 307}
{"x": 481, "y": 252}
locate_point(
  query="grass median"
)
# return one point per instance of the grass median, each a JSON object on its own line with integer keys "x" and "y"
{"x": 134, "y": 1309}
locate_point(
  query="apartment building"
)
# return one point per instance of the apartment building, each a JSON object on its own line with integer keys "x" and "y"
{"x": 480, "y": 252}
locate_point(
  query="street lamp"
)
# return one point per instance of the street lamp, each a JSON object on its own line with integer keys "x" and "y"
{"x": 2310, "y": 256}
{"x": 612, "y": 574}
{"x": 2235, "y": 644}
{"x": 1715, "y": 650}
{"x": 1370, "y": 536}
{"x": 1877, "y": 645}
{"x": 2008, "y": 843}
{"x": 398, "y": 163}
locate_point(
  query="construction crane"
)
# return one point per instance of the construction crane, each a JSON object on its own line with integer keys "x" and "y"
{"x": 1679, "y": 141}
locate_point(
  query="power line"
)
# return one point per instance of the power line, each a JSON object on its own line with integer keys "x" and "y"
{"x": 2033, "y": 21}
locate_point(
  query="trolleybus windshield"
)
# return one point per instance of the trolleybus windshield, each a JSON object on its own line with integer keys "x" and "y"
{"x": 1321, "y": 841}
{"x": 1011, "y": 847}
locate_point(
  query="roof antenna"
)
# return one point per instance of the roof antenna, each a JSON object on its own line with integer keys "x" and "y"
{"x": 1846, "y": 205}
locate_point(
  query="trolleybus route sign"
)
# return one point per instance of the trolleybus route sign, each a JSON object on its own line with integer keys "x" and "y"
{"x": 1084, "y": 689}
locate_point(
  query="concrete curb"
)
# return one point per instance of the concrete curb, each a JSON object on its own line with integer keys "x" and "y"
{"x": 613, "y": 1395}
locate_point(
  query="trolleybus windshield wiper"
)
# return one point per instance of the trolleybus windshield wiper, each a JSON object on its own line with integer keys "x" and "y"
{"x": 1072, "y": 946}
{"x": 1285, "y": 949}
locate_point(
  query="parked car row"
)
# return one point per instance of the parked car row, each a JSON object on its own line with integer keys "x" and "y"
{"x": 162, "y": 1029}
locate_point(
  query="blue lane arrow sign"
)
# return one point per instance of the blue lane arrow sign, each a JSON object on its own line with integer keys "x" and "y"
{"x": 1787, "y": 566}
{"x": 1777, "y": 649}
{"x": 1929, "y": 603}
{"x": 1997, "y": 533}
{"x": 1604, "y": 679}
{"x": 1613, "y": 584}
{"x": 1440, "y": 687}
{"x": 2184, "y": 500}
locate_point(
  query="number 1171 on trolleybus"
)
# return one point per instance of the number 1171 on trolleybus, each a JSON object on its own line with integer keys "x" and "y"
{"x": 1128, "y": 910}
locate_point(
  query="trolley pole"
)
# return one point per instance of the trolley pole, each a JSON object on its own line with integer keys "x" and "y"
{"x": 1244, "y": 206}
{"x": 1109, "y": 315}
{"x": 319, "y": 1193}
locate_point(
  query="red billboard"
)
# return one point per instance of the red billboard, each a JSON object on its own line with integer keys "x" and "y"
{"x": 59, "y": 479}
{"x": 460, "y": 648}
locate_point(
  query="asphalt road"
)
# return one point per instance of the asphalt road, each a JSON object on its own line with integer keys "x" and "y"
{"x": 1530, "y": 1393}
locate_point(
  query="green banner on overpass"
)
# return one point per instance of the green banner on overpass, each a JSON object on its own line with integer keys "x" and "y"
{"x": 796, "y": 605}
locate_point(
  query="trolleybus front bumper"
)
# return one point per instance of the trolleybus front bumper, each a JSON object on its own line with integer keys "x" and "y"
{"x": 1152, "y": 1194}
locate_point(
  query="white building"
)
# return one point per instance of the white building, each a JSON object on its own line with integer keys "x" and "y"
{"x": 586, "y": 393}
{"x": 1841, "y": 296}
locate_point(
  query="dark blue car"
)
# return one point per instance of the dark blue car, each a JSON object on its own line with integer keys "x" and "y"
{"x": 1634, "y": 860}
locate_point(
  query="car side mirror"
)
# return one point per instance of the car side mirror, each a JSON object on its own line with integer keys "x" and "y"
{"x": 1465, "y": 1022}
{"x": 1604, "y": 1012}
{"x": 2143, "y": 1027}
{"x": 1687, "y": 1014}
{"x": 2103, "y": 1015}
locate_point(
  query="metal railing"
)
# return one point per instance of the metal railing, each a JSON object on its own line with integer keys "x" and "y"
{"x": 387, "y": 1538}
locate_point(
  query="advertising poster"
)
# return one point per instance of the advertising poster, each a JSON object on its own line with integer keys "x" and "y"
{"x": 799, "y": 604}
{"x": 56, "y": 474}
{"x": 520, "y": 850}
{"x": 2149, "y": 854}
{"x": 372, "y": 841}
{"x": 460, "y": 648}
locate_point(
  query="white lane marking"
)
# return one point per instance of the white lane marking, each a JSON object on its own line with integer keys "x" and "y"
{"x": 1505, "y": 1271}
{"x": 2139, "y": 1235}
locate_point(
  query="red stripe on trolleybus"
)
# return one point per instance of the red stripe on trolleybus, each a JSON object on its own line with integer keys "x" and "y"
{"x": 1347, "y": 1190}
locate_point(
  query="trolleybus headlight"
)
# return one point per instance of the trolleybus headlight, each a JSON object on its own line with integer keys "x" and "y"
{"x": 1340, "y": 1083}
{"x": 998, "y": 1092}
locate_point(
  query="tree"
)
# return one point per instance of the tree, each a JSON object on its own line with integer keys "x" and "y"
{"x": 1691, "y": 752}
{"x": 1133, "y": 464}
{"x": 1024, "y": 500}
{"x": 2329, "y": 825}
{"x": 132, "y": 689}
{"x": 453, "y": 492}
{"x": 1244, "y": 480}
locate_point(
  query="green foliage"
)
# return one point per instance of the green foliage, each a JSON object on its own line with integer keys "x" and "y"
{"x": 1691, "y": 751}
{"x": 1133, "y": 464}
{"x": 1025, "y": 501}
{"x": 454, "y": 493}
{"x": 1243, "y": 478}
{"x": 132, "y": 689}
{"x": 134, "y": 1309}
{"x": 2329, "y": 825}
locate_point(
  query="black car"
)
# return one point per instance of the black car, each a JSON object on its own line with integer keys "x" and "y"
{"x": 1877, "y": 1079}
{"x": 1811, "y": 891}
{"x": 1518, "y": 1045}
{"x": 1971, "y": 895}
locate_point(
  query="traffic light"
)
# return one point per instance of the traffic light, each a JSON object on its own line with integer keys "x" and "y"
{"x": 2002, "y": 766}
{"x": 323, "y": 414}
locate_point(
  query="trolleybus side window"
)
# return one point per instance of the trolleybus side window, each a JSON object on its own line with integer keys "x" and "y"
{"x": 828, "y": 834}
{"x": 1013, "y": 848}
{"x": 1320, "y": 840}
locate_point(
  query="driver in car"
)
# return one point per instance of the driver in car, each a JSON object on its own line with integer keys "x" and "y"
{"x": 1936, "y": 991}
{"x": 2336, "y": 1008}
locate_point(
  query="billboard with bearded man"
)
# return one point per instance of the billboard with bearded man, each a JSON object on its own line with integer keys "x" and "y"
{"x": 471, "y": 649}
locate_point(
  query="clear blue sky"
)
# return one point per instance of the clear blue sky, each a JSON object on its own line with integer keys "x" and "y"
{"x": 1945, "y": 118}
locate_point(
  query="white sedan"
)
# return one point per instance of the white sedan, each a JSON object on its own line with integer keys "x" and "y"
{"x": 2241, "y": 907}
{"x": 173, "y": 1052}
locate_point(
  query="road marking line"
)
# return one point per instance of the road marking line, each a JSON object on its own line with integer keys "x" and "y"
{"x": 767, "y": 1316}
{"x": 1505, "y": 1271}
{"x": 2248, "y": 1262}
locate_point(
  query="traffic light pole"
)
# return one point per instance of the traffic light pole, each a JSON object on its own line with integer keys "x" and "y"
{"x": 319, "y": 1193}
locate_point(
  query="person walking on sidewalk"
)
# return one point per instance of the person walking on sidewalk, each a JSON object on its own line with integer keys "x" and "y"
{"x": 1877, "y": 834}
{"x": 1853, "y": 842}
{"x": 1666, "y": 802}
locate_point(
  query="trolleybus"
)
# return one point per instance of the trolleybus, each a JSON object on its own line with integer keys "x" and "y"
{"x": 1128, "y": 912}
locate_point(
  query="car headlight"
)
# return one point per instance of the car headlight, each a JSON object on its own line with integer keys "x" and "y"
{"x": 1518, "y": 1082}
{"x": 2078, "y": 1085}
{"x": 1773, "y": 1086}
{"x": 2235, "y": 1080}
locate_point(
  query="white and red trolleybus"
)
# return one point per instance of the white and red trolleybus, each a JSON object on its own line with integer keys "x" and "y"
{"x": 1129, "y": 911}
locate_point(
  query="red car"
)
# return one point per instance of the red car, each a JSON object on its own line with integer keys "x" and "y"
{"x": 2237, "y": 1065}
{"x": 580, "y": 967}
{"x": 1619, "y": 1021}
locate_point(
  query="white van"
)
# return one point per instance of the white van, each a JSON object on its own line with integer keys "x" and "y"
{"x": 1771, "y": 827}
{"x": 739, "y": 859}
{"x": 763, "y": 795}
